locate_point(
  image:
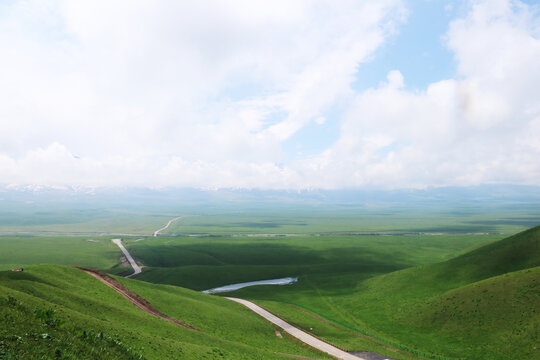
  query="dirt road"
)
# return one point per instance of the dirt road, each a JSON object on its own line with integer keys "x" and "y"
{"x": 136, "y": 268}
{"x": 297, "y": 333}
{"x": 132, "y": 297}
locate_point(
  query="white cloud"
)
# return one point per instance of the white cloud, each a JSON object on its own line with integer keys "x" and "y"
{"x": 151, "y": 83}
{"x": 481, "y": 127}
{"x": 204, "y": 94}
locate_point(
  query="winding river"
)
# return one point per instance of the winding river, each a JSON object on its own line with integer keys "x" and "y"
{"x": 233, "y": 287}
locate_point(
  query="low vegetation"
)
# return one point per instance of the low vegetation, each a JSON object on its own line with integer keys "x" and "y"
{"x": 60, "y": 312}
{"x": 484, "y": 304}
{"x": 447, "y": 296}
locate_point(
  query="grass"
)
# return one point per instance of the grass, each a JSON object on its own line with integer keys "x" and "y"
{"x": 337, "y": 261}
{"x": 144, "y": 218}
{"x": 342, "y": 222}
{"x": 447, "y": 296}
{"x": 90, "y": 219}
{"x": 19, "y": 251}
{"x": 482, "y": 304}
{"x": 59, "y": 312}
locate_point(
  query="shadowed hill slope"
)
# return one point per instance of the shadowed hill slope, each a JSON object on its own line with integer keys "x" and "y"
{"x": 484, "y": 304}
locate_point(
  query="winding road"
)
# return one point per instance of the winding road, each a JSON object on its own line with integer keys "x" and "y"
{"x": 297, "y": 333}
{"x": 136, "y": 268}
{"x": 156, "y": 233}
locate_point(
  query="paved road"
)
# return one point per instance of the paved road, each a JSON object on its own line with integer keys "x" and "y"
{"x": 136, "y": 268}
{"x": 156, "y": 233}
{"x": 297, "y": 333}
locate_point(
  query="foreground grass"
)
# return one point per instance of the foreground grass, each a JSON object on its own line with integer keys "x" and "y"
{"x": 59, "y": 312}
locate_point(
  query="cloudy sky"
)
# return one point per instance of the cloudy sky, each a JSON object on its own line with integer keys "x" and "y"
{"x": 269, "y": 94}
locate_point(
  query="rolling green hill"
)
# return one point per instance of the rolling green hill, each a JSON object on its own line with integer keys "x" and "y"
{"x": 58, "y": 312}
{"x": 484, "y": 304}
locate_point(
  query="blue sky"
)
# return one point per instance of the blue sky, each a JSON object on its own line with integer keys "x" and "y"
{"x": 418, "y": 49}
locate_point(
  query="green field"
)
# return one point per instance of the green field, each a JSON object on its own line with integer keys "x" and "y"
{"x": 203, "y": 263}
{"x": 342, "y": 222}
{"x": 244, "y": 218}
{"x": 482, "y": 304}
{"x": 73, "y": 222}
{"x": 63, "y": 313}
{"x": 439, "y": 285}
{"x": 96, "y": 251}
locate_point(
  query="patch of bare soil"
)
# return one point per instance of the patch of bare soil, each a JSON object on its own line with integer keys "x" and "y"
{"x": 125, "y": 262}
{"x": 132, "y": 297}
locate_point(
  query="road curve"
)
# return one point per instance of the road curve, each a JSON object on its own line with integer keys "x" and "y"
{"x": 136, "y": 268}
{"x": 156, "y": 233}
{"x": 297, "y": 333}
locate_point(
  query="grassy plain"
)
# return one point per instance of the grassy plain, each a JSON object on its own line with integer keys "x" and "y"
{"x": 81, "y": 221}
{"x": 90, "y": 251}
{"x": 141, "y": 218}
{"x": 386, "y": 219}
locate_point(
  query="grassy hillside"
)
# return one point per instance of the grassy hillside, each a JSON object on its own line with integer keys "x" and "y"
{"x": 484, "y": 304}
{"x": 58, "y": 312}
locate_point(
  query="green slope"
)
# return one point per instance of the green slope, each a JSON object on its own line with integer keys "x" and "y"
{"x": 51, "y": 311}
{"x": 484, "y": 304}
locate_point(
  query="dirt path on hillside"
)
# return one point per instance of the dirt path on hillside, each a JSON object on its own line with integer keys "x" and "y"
{"x": 132, "y": 297}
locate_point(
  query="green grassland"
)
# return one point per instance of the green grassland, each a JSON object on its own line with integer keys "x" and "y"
{"x": 241, "y": 219}
{"x": 58, "y": 312}
{"x": 340, "y": 261}
{"x": 76, "y": 221}
{"x": 484, "y": 304}
{"x": 456, "y": 292}
{"x": 364, "y": 220}
{"x": 96, "y": 251}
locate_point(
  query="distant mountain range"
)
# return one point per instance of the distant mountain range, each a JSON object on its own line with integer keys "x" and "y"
{"x": 484, "y": 194}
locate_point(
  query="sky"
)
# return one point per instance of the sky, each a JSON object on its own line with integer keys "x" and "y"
{"x": 279, "y": 94}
